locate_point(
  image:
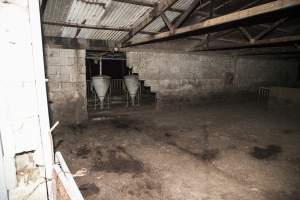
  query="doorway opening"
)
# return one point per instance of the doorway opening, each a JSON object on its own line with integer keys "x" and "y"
{"x": 113, "y": 67}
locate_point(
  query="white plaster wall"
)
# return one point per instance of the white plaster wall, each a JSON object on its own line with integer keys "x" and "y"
{"x": 23, "y": 108}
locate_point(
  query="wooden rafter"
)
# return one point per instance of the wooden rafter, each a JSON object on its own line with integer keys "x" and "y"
{"x": 156, "y": 12}
{"x": 258, "y": 50}
{"x": 211, "y": 14}
{"x": 79, "y": 43}
{"x": 222, "y": 5}
{"x": 224, "y": 22}
{"x": 269, "y": 30}
{"x": 263, "y": 42}
{"x": 246, "y": 33}
{"x": 255, "y": 2}
{"x": 243, "y": 30}
{"x": 215, "y": 9}
{"x": 215, "y": 36}
{"x": 148, "y": 4}
{"x": 181, "y": 18}
{"x": 231, "y": 40}
{"x": 226, "y": 3}
{"x": 187, "y": 13}
{"x": 75, "y": 25}
{"x": 167, "y": 22}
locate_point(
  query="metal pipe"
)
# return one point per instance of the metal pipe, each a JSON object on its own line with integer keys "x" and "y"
{"x": 95, "y": 57}
{"x": 100, "y": 66}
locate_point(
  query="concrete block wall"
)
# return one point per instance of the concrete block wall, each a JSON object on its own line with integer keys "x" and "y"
{"x": 188, "y": 77}
{"x": 284, "y": 96}
{"x": 253, "y": 72}
{"x": 66, "y": 73}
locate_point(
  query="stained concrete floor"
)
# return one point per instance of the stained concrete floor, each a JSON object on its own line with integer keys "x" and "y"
{"x": 215, "y": 152}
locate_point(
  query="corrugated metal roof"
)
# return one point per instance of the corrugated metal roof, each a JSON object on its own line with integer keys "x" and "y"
{"x": 151, "y": 1}
{"x": 93, "y": 12}
{"x": 84, "y": 13}
{"x": 108, "y": 35}
{"x": 158, "y": 23}
{"x": 123, "y": 14}
{"x": 56, "y": 10}
{"x": 182, "y": 4}
{"x": 139, "y": 36}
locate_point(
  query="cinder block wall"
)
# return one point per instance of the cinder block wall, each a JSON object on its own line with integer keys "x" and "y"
{"x": 192, "y": 78}
{"x": 65, "y": 69}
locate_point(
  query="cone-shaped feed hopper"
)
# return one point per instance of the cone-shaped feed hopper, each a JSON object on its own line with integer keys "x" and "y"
{"x": 132, "y": 84}
{"x": 101, "y": 85}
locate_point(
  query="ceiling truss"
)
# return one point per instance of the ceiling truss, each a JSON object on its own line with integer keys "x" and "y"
{"x": 155, "y": 13}
{"x": 211, "y": 27}
{"x": 229, "y": 21}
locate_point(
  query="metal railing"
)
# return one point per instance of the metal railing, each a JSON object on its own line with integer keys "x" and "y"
{"x": 117, "y": 84}
{"x": 117, "y": 88}
{"x": 263, "y": 94}
{"x": 89, "y": 87}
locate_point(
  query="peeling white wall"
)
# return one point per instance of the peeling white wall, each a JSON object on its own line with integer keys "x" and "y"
{"x": 24, "y": 120}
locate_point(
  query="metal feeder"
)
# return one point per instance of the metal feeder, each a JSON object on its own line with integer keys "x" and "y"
{"x": 133, "y": 88}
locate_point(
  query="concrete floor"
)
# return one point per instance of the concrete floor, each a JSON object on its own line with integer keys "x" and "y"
{"x": 216, "y": 152}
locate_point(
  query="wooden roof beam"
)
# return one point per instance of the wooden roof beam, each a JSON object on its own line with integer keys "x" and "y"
{"x": 150, "y": 17}
{"x": 263, "y": 43}
{"x": 269, "y": 29}
{"x": 265, "y": 26}
{"x": 224, "y": 22}
{"x": 147, "y": 4}
{"x": 167, "y": 22}
{"x": 187, "y": 13}
{"x": 246, "y": 33}
{"x": 75, "y": 25}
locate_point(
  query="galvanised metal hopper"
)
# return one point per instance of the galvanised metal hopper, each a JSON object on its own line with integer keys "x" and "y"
{"x": 132, "y": 84}
{"x": 101, "y": 84}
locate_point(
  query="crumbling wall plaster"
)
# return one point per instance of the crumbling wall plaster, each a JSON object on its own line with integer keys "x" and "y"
{"x": 66, "y": 84}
